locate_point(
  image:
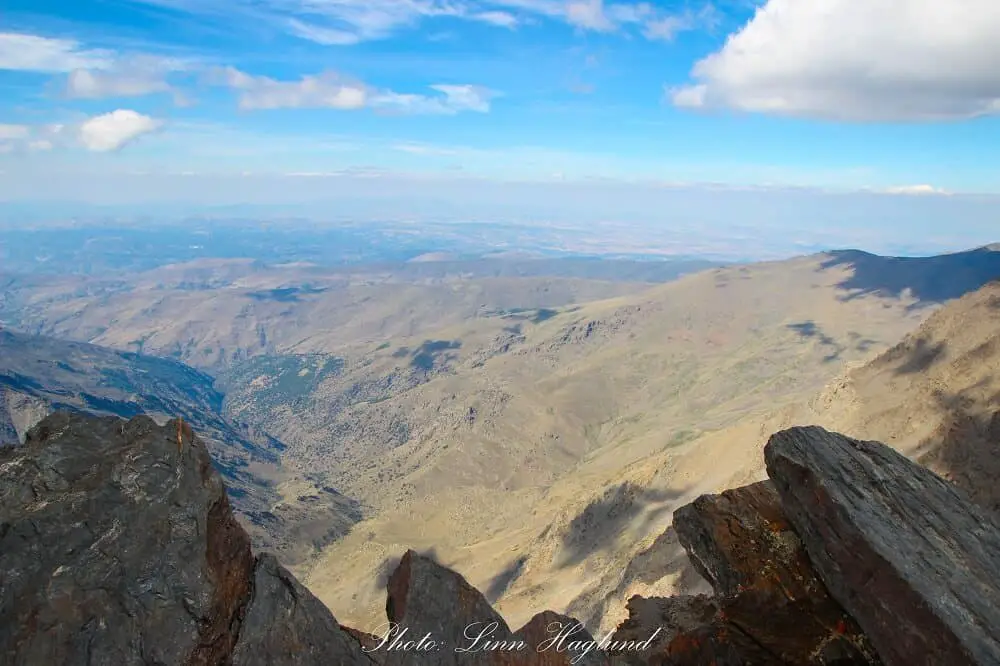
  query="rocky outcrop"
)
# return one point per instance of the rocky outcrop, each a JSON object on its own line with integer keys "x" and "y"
{"x": 286, "y": 625}
{"x": 770, "y": 606}
{"x": 447, "y": 622}
{"x": 118, "y": 546}
{"x": 908, "y": 555}
{"x": 850, "y": 554}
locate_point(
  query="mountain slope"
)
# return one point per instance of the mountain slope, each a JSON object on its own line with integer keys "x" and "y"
{"x": 39, "y": 375}
{"x": 214, "y": 312}
{"x": 543, "y": 458}
{"x": 934, "y": 397}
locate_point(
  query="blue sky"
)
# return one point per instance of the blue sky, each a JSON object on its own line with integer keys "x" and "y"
{"x": 893, "y": 96}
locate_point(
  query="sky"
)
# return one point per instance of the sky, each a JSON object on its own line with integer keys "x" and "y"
{"x": 278, "y": 101}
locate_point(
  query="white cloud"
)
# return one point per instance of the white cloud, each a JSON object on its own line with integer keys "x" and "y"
{"x": 330, "y": 90}
{"x": 90, "y": 84}
{"x": 103, "y": 133}
{"x": 321, "y": 35}
{"x": 115, "y": 130}
{"x": 29, "y": 138}
{"x": 877, "y": 60}
{"x": 497, "y": 18}
{"x": 589, "y": 14}
{"x": 31, "y": 53}
{"x": 327, "y": 90}
{"x": 92, "y": 73}
{"x": 916, "y": 190}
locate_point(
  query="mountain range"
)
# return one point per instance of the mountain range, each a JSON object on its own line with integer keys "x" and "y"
{"x": 533, "y": 432}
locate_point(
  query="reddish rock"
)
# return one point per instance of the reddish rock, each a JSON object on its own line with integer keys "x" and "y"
{"x": 655, "y": 622}
{"x": 743, "y": 544}
{"x": 556, "y": 640}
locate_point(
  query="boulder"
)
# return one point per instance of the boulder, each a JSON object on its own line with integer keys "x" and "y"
{"x": 902, "y": 550}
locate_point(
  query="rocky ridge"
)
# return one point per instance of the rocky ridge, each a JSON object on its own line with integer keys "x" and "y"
{"x": 118, "y": 546}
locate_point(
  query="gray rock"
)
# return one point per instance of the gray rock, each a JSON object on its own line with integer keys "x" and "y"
{"x": 287, "y": 626}
{"x": 431, "y": 602}
{"x": 117, "y": 546}
{"x": 440, "y": 611}
{"x": 903, "y": 551}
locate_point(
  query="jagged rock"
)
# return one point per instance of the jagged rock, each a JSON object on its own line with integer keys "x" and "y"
{"x": 770, "y": 606}
{"x": 118, "y": 546}
{"x": 436, "y": 605}
{"x": 552, "y": 639}
{"x": 286, "y": 625}
{"x": 904, "y": 552}
{"x": 449, "y": 622}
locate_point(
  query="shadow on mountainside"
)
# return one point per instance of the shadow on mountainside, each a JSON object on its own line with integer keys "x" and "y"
{"x": 605, "y": 518}
{"x": 965, "y": 447}
{"x": 665, "y": 558}
{"x": 930, "y": 280}
{"x": 503, "y": 580}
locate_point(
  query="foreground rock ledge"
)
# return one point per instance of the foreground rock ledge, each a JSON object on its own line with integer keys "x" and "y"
{"x": 118, "y": 546}
{"x": 903, "y": 551}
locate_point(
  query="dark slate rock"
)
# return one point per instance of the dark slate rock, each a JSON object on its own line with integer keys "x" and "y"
{"x": 427, "y": 599}
{"x": 286, "y": 625}
{"x": 433, "y": 603}
{"x": 903, "y": 551}
{"x": 117, "y": 546}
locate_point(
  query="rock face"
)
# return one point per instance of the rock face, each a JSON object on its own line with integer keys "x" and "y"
{"x": 118, "y": 546}
{"x": 912, "y": 560}
{"x": 286, "y": 624}
{"x": 425, "y": 599}
{"x": 770, "y": 606}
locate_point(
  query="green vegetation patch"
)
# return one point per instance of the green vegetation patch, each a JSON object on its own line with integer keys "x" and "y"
{"x": 284, "y": 378}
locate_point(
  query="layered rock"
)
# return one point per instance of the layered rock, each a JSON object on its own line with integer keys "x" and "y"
{"x": 904, "y": 551}
{"x": 770, "y": 606}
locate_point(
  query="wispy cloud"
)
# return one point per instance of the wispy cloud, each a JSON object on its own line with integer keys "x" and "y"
{"x": 91, "y": 73}
{"x": 127, "y": 76}
{"x": 346, "y": 22}
{"x": 333, "y": 91}
{"x": 32, "y": 53}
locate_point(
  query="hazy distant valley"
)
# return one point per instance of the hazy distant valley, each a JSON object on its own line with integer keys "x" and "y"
{"x": 532, "y": 420}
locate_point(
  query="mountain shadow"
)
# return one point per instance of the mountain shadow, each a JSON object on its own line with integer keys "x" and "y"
{"x": 930, "y": 280}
